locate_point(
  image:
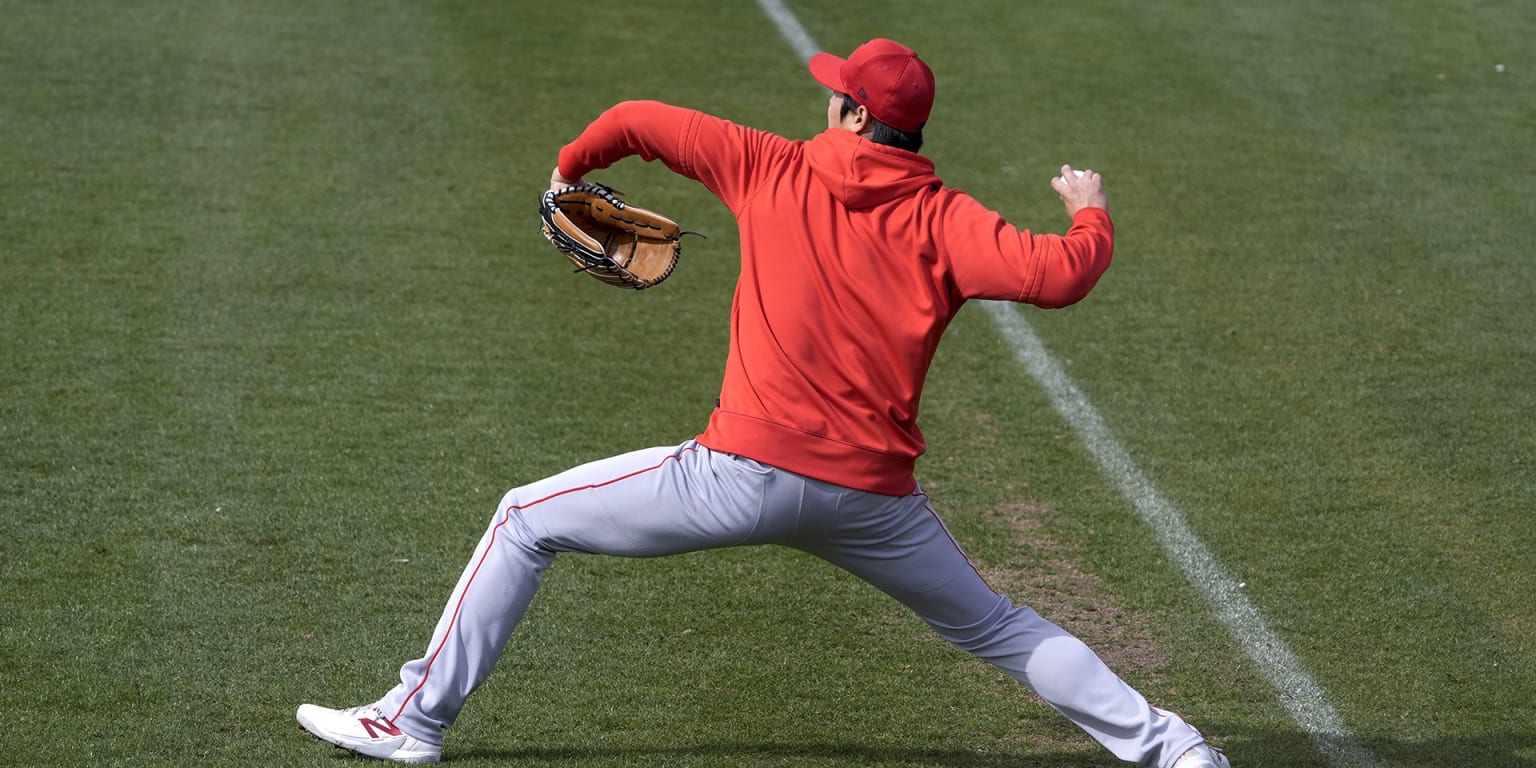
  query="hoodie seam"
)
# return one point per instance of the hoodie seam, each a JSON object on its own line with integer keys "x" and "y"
{"x": 689, "y": 140}
{"x": 759, "y": 181}
{"x": 1036, "y": 281}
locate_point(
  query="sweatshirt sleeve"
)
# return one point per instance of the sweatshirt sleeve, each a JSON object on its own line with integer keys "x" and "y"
{"x": 718, "y": 153}
{"x": 994, "y": 260}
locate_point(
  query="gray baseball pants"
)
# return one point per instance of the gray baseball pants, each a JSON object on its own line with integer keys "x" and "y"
{"x": 670, "y": 500}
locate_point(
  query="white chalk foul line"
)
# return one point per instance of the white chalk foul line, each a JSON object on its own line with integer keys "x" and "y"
{"x": 1298, "y": 692}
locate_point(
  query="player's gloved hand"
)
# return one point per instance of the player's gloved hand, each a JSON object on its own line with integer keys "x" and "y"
{"x": 620, "y": 244}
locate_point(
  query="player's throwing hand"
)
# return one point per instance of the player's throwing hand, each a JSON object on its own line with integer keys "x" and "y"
{"x": 1080, "y": 189}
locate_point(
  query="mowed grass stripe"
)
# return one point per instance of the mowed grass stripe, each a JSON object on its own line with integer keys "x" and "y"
{"x": 277, "y": 327}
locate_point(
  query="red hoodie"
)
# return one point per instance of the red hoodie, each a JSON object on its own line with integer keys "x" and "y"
{"x": 854, "y": 259}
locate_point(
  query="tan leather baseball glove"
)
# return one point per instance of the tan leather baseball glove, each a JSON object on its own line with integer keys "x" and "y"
{"x": 617, "y": 243}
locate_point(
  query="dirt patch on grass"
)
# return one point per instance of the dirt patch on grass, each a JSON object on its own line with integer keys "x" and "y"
{"x": 1055, "y": 585}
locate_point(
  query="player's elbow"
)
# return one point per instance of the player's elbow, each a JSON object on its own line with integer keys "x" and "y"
{"x": 1071, "y": 281}
{"x": 1065, "y": 293}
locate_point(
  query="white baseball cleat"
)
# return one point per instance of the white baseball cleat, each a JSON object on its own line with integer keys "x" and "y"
{"x": 1203, "y": 756}
{"x": 366, "y": 731}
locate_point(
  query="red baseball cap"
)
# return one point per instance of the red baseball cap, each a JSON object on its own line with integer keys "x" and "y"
{"x": 884, "y": 76}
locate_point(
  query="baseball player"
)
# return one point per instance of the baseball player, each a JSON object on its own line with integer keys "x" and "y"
{"x": 854, "y": 259}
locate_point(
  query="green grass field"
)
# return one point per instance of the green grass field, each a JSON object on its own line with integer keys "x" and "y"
{"x": 277, "y": 330}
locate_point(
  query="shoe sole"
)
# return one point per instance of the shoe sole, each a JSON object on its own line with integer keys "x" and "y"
{"x": 418, "y": 759}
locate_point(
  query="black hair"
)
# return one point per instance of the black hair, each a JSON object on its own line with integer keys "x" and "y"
{"x": 911, "y": 141}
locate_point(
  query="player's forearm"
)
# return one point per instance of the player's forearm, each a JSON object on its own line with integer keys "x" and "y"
{"x": 1078, "y": 259}
{"x": 648, "y": 129}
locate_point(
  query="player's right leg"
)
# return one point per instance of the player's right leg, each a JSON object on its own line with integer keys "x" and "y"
{"x": 900, "y": 546}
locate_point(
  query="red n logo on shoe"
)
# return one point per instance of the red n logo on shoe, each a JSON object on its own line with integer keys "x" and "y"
{"x": 385, "y": 726}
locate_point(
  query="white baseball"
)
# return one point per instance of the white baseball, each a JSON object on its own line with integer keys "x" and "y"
{"x": 1079, "y": 173}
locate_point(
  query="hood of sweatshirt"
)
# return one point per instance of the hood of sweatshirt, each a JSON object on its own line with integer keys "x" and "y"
{"x": 863, "y": 174}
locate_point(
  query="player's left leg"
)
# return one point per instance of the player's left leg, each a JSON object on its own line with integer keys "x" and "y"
{"x": 646, "y": 503}
{"x": 900, "y": 546}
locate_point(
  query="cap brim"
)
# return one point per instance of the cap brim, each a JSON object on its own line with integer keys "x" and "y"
{"x": 828, "y": 70}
